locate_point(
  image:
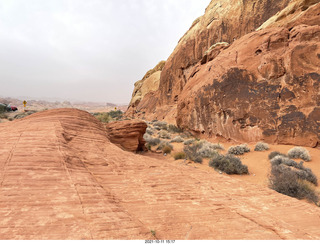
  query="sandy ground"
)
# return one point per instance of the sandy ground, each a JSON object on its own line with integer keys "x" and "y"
{"x": 257, "y": 162}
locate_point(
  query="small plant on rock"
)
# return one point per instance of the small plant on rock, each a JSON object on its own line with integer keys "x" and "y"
{"x": 166, "y": 149}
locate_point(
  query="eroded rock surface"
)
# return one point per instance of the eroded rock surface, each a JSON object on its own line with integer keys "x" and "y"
{"x": 245, "y": 71}
{"x": 61, "y": 178}
{"x": 127, "y": 134}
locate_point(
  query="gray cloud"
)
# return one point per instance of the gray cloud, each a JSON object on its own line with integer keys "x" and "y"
{"x": 87, "y": 50}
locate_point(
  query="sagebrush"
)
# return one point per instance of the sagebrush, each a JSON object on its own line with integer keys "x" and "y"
{"x": 228, "y": 164}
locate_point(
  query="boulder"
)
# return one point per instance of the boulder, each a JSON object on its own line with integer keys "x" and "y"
{"x": 127, "y": 134}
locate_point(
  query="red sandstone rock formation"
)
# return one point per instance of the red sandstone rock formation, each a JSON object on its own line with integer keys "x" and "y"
{"x": 264, "y": 85}
{"x": 127, "y": 134}
{"x": 61, "y": 178}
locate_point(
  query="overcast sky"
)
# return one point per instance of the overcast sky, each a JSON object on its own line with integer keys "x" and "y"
{"x": 87, "y": 50}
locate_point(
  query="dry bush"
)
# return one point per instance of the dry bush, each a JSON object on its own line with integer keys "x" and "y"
{"x": 302, "y": 172}
{"x": 299, "y": 152}
{"x": 191, "y": 152}
{"x": 179, "y": 155}
{"x": 239, "y": 150}
{"x": 174, "y": 129}
{"x": 149, "y": 131}
{"x": 177, "y": 139}
{"x": 161, "y": 124}
{"x": 151, "y": 141}
{"x": 164, "y": 134}
{"x": 261, "y": 146}
{"x": 164, "y": 144}
{"x": 276, "y": 153}
{"x": 189, "y": 141}
{"x": 228, "y": 164}
{"x": 166, "y": 149}
{"x": 286, "y": 181}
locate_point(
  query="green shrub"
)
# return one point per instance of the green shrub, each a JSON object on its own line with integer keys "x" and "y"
{"x": 261, "y": 146}
{"x": 239, "y": 150}
{"x": 228, "y": 164}
{"x": 116, "y": 114}
{"x": 177, "y": 139}
{"x": 286, "y": 181}
{"x": 104, "y": 117}
{"x": 174, "y": 129}
{"x": 299, "y": 152}
{"x": 179, "y": 155}
{"x": 276, "y": 153}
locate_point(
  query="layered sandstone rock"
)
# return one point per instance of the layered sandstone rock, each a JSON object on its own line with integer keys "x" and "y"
{"x": 149, "y": 83}
{"x": 127, "y": 134}
{"x": 61, "y": 178}
{"x": 221, "y": 81}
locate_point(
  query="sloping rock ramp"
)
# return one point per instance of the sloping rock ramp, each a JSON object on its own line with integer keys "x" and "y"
{"x": 61, "y": 178}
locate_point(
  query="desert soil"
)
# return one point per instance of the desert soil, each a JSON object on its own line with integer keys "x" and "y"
{"x": 61, "y": 178}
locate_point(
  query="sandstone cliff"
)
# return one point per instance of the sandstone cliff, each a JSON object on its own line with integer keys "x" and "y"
{"x": 246, "y": 71}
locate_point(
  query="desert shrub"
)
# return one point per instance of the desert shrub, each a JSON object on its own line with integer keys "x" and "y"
{"x": 286, "y": 181}
{"x": 207, "y": 150}
{"x": 188, "y": 142}
{"x": 164, "y": 144}
{"x": 166, "y": 149}
{"x": 198, "y": 160}
{"x": 177, "y": 139}
{"x": 228, "y": 164}
{"x": 149, "y": 131}
{"x": 3, "y": 116}
{"x": 276, "y": 153}
{"x": 104, "y": 117}
{"x": 161, "y": 124}
{"x": 261, "y": 146}
{"x": 157, "y": 127}
{"x": 239, "y": 150}
{"x": 164, "y": 134}
{"x": 174, "y": 129}
{"x": 191, "y": 151}
{"x": 186, "y": 134}
{"x": 115, "y": 114}
{"x": 299, "y": 152}
{"x": 151, "y": 141}
{"x": 179, "y": 155}
{"x": 302, "y": 172}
